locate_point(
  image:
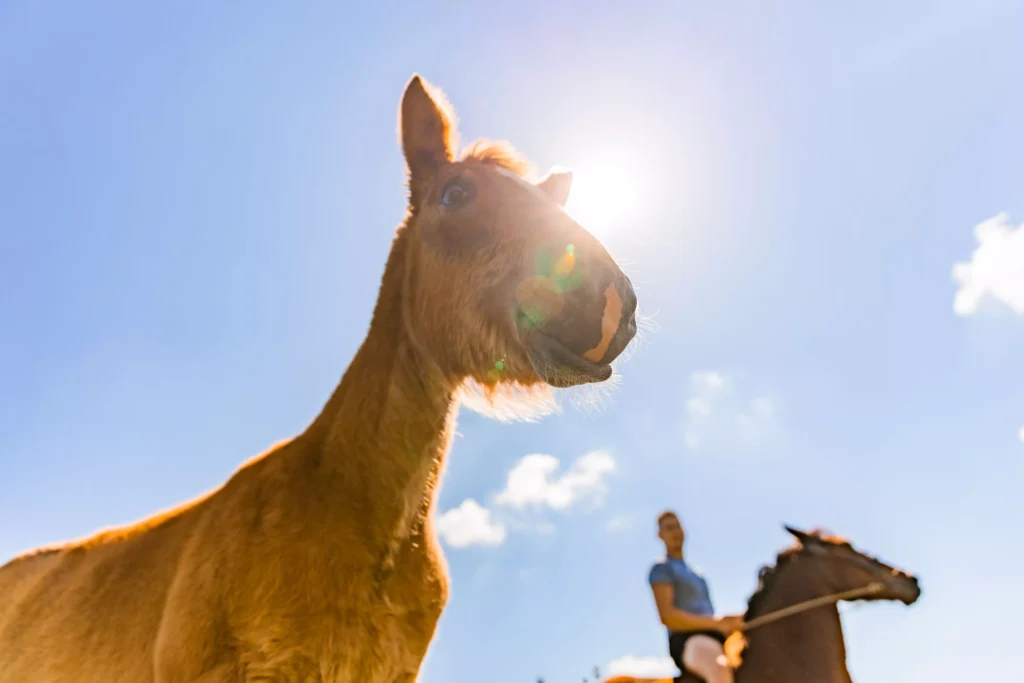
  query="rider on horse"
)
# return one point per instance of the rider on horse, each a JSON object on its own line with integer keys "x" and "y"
{"x": 695, "y": 636}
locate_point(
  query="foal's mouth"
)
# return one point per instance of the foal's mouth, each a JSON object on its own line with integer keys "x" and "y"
{"x": 553, "y": 333}
{"x": 562, "y": 367}
{"x": 558, "y": 365}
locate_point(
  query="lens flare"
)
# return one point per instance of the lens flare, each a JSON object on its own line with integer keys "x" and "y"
{"x": 601, "y": 198}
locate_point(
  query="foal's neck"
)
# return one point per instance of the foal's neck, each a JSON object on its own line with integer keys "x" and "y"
{"x": 381, "y": 439}
{"x": 807, "y": 646}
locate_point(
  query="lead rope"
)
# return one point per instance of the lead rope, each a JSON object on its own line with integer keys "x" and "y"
{"x": 866, "y": 591}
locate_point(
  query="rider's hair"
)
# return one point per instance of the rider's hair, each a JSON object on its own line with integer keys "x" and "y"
{"x": 665, "y": 515}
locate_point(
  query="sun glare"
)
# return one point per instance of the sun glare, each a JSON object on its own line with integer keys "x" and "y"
{"x": 601, "y": 198}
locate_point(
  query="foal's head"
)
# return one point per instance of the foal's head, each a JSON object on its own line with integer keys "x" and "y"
{"x": 502, "y": 286}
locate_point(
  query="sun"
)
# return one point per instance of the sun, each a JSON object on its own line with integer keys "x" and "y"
{"x": 601, "y": 198}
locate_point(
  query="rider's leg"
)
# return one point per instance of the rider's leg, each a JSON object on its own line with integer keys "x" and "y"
{"x": 703, "y": 655}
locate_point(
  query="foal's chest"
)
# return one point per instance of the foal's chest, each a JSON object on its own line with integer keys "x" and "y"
{"x": 401, "y": 607}
{"x": 365, "y": 626}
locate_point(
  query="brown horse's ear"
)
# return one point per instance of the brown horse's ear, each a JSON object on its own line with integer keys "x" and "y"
{"x": 801, "y": 536}
{"x": 557, "y": 185}
{"x": 427, "y": 126}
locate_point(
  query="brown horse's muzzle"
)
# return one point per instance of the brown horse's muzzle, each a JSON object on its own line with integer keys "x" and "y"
{"x": 903, "y": 587}
{"x": 576, "y": 318}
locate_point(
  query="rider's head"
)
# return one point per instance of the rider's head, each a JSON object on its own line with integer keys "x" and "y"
{"x": 671, "y": 533}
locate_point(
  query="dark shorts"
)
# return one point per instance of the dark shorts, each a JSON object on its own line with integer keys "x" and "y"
{"x": 677, "y": 641}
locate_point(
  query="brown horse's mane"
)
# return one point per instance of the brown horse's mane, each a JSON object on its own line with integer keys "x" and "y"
{"x": 766, "y": 579}
{"x": 767, "y": 576}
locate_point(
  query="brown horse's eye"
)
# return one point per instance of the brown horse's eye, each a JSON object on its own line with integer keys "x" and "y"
{"x": 456, "y": 193}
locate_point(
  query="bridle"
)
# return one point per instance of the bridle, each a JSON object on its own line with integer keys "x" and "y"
{"x": 873, "y": 588}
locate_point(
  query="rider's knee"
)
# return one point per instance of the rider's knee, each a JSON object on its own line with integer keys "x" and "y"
{"x": 705, "y": 657}
{"x": 716, "y": 673}
{"x": 720, "y": 673}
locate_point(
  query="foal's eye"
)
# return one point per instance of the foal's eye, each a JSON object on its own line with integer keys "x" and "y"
{"x": 455, "y": 194}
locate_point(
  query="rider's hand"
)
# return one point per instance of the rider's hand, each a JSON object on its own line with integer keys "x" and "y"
{"x": 730, "y": 623}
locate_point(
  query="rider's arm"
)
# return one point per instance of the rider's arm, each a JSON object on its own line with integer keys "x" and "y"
{"x": 673, "y": 617}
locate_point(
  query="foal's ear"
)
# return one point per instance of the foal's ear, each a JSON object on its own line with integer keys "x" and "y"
{"x": 427, "y": 126}
{"x": 557, "y": 185}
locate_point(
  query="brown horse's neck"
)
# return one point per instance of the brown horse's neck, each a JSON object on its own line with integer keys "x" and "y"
{"x": 381, "y": 439}
{"x": 804, "y": 647}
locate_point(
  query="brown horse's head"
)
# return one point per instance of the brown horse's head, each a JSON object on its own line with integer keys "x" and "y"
{"x": 502, "y": 286}
{"x": 839, "y": 567}
{"x": 818, "y": 565}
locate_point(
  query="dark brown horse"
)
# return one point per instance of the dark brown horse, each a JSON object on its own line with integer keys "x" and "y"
{"x": 806, "y": 647}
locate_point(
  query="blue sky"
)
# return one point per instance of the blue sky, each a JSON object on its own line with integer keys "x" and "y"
{"x": 196, "y": 203}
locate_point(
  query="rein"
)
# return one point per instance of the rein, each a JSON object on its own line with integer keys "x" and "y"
{"x": 868, "y": 590}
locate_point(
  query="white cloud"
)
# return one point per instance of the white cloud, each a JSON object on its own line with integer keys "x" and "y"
{"x": 532, "y": 481}
{"x": 717, "y": 414}
{"x": 642, "y": 667}
{"x": 699, "y": 407}
{"x": 470, "y": 524}
{"x": 617, "y": 524}
{"x": 758, "y": 417}
{"x": 544, "y": 528}
{"x": 706, "y": 390}
{"x": 708, "y": 381}
{"x": 1021, "y": 434}
{"x": 996, "y": 269}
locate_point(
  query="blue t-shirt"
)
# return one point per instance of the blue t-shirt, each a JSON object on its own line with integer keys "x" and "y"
{"x": 691, "y": 590}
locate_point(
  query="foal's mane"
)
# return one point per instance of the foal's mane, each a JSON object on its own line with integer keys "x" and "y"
{"x": 498, "y": 153}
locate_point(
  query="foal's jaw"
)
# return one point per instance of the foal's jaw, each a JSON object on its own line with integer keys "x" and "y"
{"x": 560, "y": 367}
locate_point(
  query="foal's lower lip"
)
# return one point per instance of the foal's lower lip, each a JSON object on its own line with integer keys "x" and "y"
{"x": 560, "y": 354}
